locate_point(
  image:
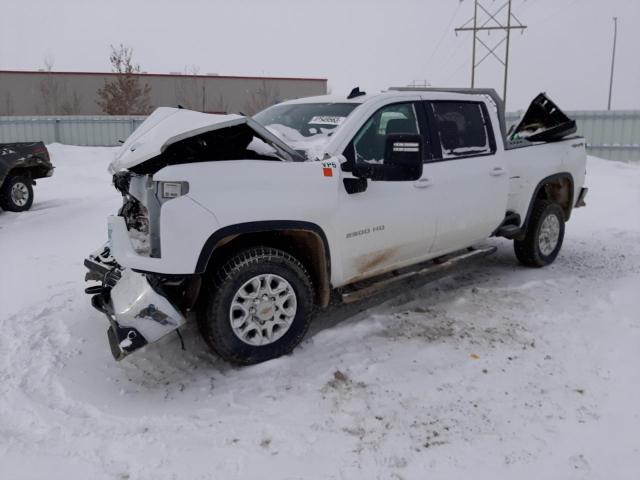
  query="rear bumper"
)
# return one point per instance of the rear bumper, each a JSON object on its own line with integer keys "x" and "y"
{"x": 580, "y": 201}
{"x": 138, "y": 314}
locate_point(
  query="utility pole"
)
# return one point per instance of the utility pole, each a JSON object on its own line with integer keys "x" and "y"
{"x": 473, "y": 55}
{"x": 506, "y": 55}
{"x": 490, "y": 22}
{"x": 613, "y": 59}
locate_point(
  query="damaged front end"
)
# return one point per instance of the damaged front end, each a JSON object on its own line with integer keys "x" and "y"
{"x": 141, "y": 203}
{"x": 141, "y": 308}
{"x": 148, "y": 279}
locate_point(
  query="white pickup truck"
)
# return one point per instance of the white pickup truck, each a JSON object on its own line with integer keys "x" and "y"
{"x": 252, "y": 224}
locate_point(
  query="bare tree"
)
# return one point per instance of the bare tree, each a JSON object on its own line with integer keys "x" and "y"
{"x": 55, "y": 99}
{"x": 262, "y": 97}
{"x": 49, "y": 90}
{"x": 7, "y": 107}
{"x": 190, "y": 92}
{"x": 125, "y": 94}
{"x": 218, "y": 106}
{"x": 71, "y": 105}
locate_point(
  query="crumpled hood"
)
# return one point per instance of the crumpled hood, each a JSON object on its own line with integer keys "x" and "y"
{"x": 166, "y": 126}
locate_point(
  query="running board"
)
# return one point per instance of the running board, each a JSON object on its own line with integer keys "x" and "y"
{"x": 433, "y": 268}
{"x": 509, "y": 231}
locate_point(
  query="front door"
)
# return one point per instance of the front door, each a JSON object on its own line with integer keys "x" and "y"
{"x": 392, "y": 223}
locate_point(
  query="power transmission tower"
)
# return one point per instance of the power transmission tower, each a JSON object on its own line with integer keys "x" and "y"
{"x": 485, "y": 20}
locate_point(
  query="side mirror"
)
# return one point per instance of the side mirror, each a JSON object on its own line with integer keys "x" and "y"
{"x": 402, "y": 160}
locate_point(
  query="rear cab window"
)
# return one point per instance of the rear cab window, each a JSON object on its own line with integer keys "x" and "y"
{"x": 462, "y": 128}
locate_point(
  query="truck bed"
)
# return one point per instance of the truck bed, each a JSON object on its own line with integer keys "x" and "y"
{"x": 540, "y": 160}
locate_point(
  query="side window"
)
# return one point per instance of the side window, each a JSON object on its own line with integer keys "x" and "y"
{"x": 463, "y": 129}
{"x": 369, "y": 142}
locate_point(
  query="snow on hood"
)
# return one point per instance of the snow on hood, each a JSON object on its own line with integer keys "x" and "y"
{"x": 166, "y": 126}
{"x": 313, "y": 146}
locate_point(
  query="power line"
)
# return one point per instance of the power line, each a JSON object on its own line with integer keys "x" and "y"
{"x": 455, "y": 72}
{"x": 554, "y": 14}
{"x": 526, "y": 4}
{"x": 450, "y": 57}
{"x": 492, "y": 20}
{"x": 444, "y": 34}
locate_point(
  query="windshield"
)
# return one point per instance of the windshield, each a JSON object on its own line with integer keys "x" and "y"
{"x": 307, "y": 119}
{"x": 306, "y": 127}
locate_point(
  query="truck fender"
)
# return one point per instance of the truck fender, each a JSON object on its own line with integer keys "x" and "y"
{"x": 536, "y": 192}
{"x": 320, "y": 270}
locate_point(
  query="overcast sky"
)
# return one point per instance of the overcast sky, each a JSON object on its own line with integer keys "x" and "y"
{"x": 566, "y": 51}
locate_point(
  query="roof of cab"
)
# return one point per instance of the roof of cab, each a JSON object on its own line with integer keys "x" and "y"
{"x": 343, "y": 98}
{"x": 330, "y": 99}
{"x": 369, "y": 96}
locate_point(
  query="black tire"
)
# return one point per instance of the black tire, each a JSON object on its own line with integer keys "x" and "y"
{"x": 531, "y": 250}
{"x": 8, "y": 201}
{"x": 219, "y": 292}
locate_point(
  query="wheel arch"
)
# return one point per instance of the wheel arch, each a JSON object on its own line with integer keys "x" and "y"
{"x": 304, "y": 240}
{"x": 558, "y": 188}
{"x": 31, "y": 171}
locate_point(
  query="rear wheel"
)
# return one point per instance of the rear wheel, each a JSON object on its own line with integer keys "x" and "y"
{"x": 257, "y": 307}
{"x": 16, "y": 194}
{"x": 545, "y": 233}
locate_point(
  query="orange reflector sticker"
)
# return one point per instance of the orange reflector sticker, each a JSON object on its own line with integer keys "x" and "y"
{"x": 328, "y": 172}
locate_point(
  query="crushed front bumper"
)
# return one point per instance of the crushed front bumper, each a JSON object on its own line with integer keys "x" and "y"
{"x": 138, "y": 313}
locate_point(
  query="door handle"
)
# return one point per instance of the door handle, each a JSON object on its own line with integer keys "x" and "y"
{"x": 497, "y": 172}
{"x": 423, "y": 183}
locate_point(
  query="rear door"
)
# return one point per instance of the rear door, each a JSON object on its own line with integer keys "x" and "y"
{"x": 469, "y": 174}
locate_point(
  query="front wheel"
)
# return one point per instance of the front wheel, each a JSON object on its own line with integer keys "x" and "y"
{"x": 545, "y": 233}
{"x": 257, "y": 307}
{"x": 16, "y": 194}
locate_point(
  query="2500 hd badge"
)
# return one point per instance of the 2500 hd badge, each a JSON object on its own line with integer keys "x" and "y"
{"x": 365, "y": 231}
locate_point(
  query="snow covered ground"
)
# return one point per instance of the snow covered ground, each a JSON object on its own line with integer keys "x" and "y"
{"x": 495, "y": 372}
